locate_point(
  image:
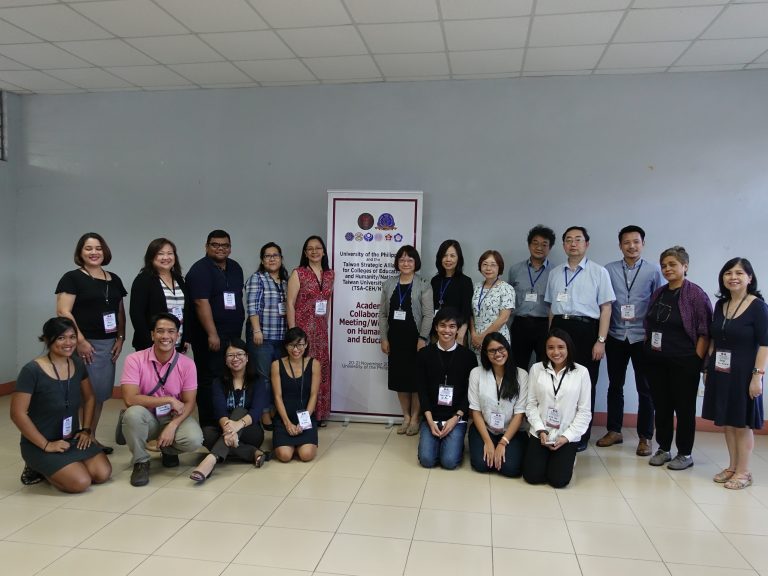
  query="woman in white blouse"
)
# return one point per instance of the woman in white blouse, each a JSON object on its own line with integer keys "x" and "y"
{"x": 498, "y": 392}
{"x": 558, "y": 413}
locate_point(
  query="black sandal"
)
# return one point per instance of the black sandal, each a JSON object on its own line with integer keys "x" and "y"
{"x": 261, "y": 458}
{"x": 31, "y": 477}
{"x": 198, "y": 477}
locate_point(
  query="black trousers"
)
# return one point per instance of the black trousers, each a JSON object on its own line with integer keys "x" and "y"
{"x": 209, "y": 365}
{"x": 584, "y": 335}
{"x": 528, "y": 335}
{"x": 618, "y": 354}
{"x": 553, "y": 467}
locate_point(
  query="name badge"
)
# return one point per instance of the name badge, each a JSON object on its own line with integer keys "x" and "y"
{"x": 436, "y": 311}
{"x": 321, "y": 307}
{"x": 656, "y": 341}
{"x": 399, "y": 314}
{"x": 496, "y": 423}
{"x": 110, "y": 322}
{"x": 553, "y": 418}
{"x": 628, "y": 312}
{"x": 445, "y": 395}
{"x": 163, "y": 410}
{"x": 531, "y": 297}
{"x": 305, "y": 422}
{"x": 281, "y": 308}
{"x": 178, "y": 311}
{"x": 562, "y": 296}
{"x": 66, "y": 427}
{"x": 229, "y": 301}
{"x": 723, "y": 361}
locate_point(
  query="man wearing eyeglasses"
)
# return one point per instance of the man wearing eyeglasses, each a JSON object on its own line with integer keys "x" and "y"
{"x": 530, "y": 317}
{"x": 159, "y": 387}
{"x": 634, "y": 279}
{"x": 215, "y": 284}
{"x": 580, "y": 295}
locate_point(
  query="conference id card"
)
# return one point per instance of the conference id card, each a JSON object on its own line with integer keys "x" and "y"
{"x": 110, "y": 322}
{"x": 321, "y": 307}
{"x": 562, "y": 296}
{"x": 305, "y": 422}
{"x": 723, "y": 361}
{"x": 553, "y": 418}
{"x": 445, "y": 395}
{"x": 229, "y": 301}
{"x": 66, "y": 427}
{"x": 628, "y": 312}
{"x": 400, "y": 315}
{"x": 163, "y": 410}
{"x": 178, "y": 311}
{"x": 281, "y": 308}
{"x": 496, "y": 422}
{"x": 531, "y": 297}
{"x": 656, "y": 341}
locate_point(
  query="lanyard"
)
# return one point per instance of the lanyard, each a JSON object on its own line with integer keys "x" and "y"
{"x": 161, "y": 380}
{"x": 442, "y": 364}
{"x": 172, "y": 287}
{"x": 725, "y": 314}
{"x": 106, "y": 289}
{"x": 530, "y": 276}
{"x": 320, "y": 281}
{"x": 443, "y": 287}
{"x": 556, "y": 390}
{"x": 569, "y": 282}
{"x": 626, "y": 280}
{"x": 481, "y": 298}
{"x": 402, "y": 296}
{"x": 498, "y": 387}
{"x": 301, "y": 389}
{"x": 69, "y": 377}
{"x": 279, "y": 286}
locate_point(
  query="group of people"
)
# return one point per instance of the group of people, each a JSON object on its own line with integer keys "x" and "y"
{"x": 526, "y": 408}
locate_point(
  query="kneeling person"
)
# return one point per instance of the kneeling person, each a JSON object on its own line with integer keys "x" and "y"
{"x": 443, "y": 380}
{"x": 159, "y": 388}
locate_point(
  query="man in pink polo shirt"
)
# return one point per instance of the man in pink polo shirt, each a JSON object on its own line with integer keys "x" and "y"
{"x": 159, "y": 388}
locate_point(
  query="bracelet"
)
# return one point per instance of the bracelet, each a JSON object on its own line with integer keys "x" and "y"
{"x": 758, "y": 371}
{"x": 46, "y": 446}
{"x": 85, "y": 430}
{"x": 243, "y": 421}
{"x": 121, "y": 336}
{"x": 505, "y": 440}
{"x": 257, "y": 331}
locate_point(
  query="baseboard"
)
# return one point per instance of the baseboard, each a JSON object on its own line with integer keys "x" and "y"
{"x": 7, "y": 388}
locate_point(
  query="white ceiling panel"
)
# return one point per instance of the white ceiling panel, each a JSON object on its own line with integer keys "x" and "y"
{"x": 277, "y": 70}
{"x": 42, "y": 56}
{"x": 218, "y": 16}
{"x": 486, "y": 34}
{"x": 573, "y": 6}
{"x": 708, "y": 52}
{"x": 412, "y": 65}
{"x": 377, "y": 11}
{"x": 677, "y": 3}
{"x": 12, "y": 35}
{"x": 11, "y": 3}
{"x": 176, "y": 49}
{"x": 107, "y": 52}
{"x": 403, "y": 38}
{"x": 743, "y": 21}
{"x": 644, "y": 55}
{"x": 128, "y": 18}
{"x": 34, "y": 80}
{"x": 258, "y": 45}
{"x": 53, "y": 23}
{"x": 299, "y": 13}
{"x": 665, "y": 24}
{"x": 211, "y": 73}
{"x": 149, "y": 76}
{"x": 571, "y": 29}
{"x": 463, "y": 10}
{"x": 344, "y": 68}
{"x": 89, "y": 78}
{"x": 487, "y": 61}
{"x": 562, "y": 58}
{"x": 8, "y": 64}
{"x": 330, "y": 41}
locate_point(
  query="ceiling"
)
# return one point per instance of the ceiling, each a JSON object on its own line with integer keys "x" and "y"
{"x": 64, "y": 46}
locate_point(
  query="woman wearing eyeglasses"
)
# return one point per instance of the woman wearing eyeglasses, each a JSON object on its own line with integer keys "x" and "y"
{"x": 492, "y": 302}
{"x": 405, "y": 321}
{"x": 295, "y": 386}
{"x": 677, "y": 338}
{"x": 498, "y": 393}
{"x": 238, "y": 402}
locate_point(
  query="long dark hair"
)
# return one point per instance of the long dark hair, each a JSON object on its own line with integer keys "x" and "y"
{"x": 249, "y": 377}
{"x": 283, "y": 273}
{"x": 569, "y": 346}
{"x": 510, "y": 387}
{"x": 441, "y": 252}
{"x": 154, "y": 247}
{"x": 305, "y": 261}
{"x": 724, "y": 293}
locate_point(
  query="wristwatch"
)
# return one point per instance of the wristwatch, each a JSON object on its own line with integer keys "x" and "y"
{"x": 601, "y": 339}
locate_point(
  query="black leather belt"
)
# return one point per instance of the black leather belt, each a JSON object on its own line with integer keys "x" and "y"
{"x": 585, "y": 319}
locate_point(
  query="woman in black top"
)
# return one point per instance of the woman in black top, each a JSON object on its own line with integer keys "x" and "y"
{"x": 93, "y": 299}
{"x": 450, "y": 286}
{"x": 159, "y": 287}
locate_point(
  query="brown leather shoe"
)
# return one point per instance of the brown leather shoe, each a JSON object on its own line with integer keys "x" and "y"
{"x": 610, "y": 439}
{"x": 643, "y": 447}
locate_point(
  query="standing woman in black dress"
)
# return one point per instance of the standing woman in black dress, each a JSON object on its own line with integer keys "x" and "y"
{"x": 159, "y": 287}
{"x": 93, "y": 299}
{"x": 738, "y": 356}
{"x": 405, "y": 321}
{"x": 450, "y": 286}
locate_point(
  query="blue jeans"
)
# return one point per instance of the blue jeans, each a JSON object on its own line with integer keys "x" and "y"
{"x": 447, "y": 451}
{"x": 263, "y": 356}
{"x": 513, "y": 455}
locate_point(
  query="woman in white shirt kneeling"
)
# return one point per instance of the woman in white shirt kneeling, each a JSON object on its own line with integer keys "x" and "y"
{"x": 558, "y": 413}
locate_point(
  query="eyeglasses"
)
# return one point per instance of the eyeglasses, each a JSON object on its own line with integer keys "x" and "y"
{"x": 535, "y": 244}
{"x": 574, "y": 241}
{"x": 218, "y": 245}
{"x": 297, "y": 345}
{"x": 236, "y": 356}
{"x": 500, "y": 351}
{"x": 272, "y": 256}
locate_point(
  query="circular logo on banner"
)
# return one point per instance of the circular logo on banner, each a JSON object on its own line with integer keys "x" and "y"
{"x": 349, "y": 236}
{"x": 386, "y": 222}
{"x": 398, "y": 237}
{"x": 368, "y": 237}
{"x": 365, "y": 221}
{"x": 359, "y": 236}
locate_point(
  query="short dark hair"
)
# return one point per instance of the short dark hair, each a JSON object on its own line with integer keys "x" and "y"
{"x": 104, "y": 248}
{"x": 164, "y": 316}
{"x": 304, "y": 261}
{"x": 283, "y": 272}
{"x": 448, "y": 313}
{"x": 580, "y": 229}
{"x": 217, "y": 234}
{"x": 55, "y": 327}
{"x": 747, "y": 265}
{"x": 496, "y": 256}
{"x": 442, "y": 249}
{"x": 154, "y": 247}
{"x": 542, "y": 231}
{"x": 294, "y": 334}
{"x": 510, "y": 387}
{"x": 561, "y": 334}
{"x": 410, "y": 251}
{"x": 632, "y": 228}
{"x": 678, "y": 253}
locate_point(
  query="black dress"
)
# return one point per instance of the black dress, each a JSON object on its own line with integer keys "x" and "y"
{"x": 726, "y": 396}
{"x": 402, "y": 336}
{"x": 296, "y": 392}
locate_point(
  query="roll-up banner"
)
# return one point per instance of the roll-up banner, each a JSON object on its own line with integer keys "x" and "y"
{"x": 365, "y": 229}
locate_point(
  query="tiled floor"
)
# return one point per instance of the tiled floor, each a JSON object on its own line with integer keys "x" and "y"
{"x": 365, "y": 507}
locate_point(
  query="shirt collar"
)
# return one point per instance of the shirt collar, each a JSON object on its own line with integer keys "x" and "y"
{"x": 451, "y": 349}
{"x": 545, "y": 264}
{"x": 153, "y": 357}
{"x": 638, "y": 263}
